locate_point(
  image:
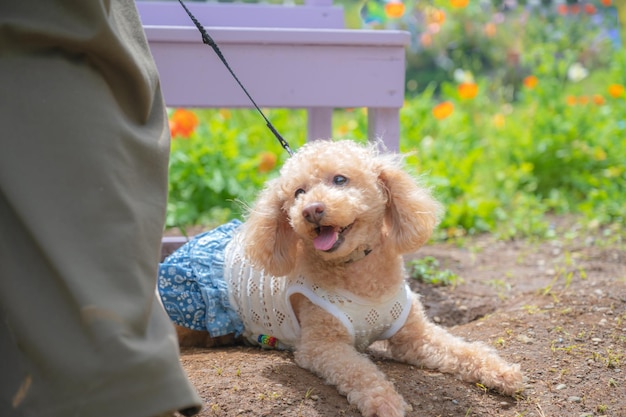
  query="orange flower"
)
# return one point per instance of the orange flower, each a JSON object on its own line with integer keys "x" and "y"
{"x": 182, "y": 123}
{"x": 459, "y": 4}
{"x": 598, "y": 99}
{"x": 394, "y": 9}
{"x": 571, "y": 100}
{"x": 616, "y": 90}
{"x": 606, "y": 3}
{"x": 562, "y": 9}
{"x": 490, "y": 29}
{"x": 443, "y": 110}
{"x": 530, "y": 82}
{"x": 467, "y": 91}
{"x": 436, "y": 16}
{"x": 267, "y": 163}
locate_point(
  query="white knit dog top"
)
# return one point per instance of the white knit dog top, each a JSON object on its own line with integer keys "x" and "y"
{"x": 262, "y": 303}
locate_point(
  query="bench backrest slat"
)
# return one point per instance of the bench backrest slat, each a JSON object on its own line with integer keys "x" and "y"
{"x": 243, "y": 15}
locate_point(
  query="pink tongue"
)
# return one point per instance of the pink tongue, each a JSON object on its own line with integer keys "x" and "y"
{"x": 326, "y": 238}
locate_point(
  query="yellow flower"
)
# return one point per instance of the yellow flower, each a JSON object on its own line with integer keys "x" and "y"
{"x": 443, "y": 110}
{"x": 467, "y": 90}
{"x": 616, "y": 90}
{"x": 499, "y": 120}
{"x": 599, "y": 154}
{"x": 225, "y": 114}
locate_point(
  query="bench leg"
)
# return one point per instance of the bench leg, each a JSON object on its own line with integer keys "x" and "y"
{"x": 384, "y": 123}
{"x": 319, "y": 123}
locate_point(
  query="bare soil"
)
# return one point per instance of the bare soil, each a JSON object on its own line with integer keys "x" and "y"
{"x": 557, "y": 307}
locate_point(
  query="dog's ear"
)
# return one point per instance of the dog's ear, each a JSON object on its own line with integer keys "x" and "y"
{"x": 412, "y": 213}
{"x": 269, "y": 240}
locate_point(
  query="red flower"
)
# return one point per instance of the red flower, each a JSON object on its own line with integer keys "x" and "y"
{"x": 182, "y": 123}
{"x": 590, "y": 8}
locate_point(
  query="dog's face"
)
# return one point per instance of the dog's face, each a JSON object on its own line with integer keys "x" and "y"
{"x": 333, "y": 198}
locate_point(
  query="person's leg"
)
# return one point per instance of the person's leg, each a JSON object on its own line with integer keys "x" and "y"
{"x": 82, "y": 200}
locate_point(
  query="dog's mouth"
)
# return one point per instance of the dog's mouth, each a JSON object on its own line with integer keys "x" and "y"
{"x": 329, "y": 238}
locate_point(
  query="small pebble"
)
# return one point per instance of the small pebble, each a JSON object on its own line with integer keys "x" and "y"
{"x": 524, "y": 339}
{"x": 574, "y": 399}
{"x": 561, "y": 386}
{"x": 314, "y": 397}
{"x": 455, "y": 402}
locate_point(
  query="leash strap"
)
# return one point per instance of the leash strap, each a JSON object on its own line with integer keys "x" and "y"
{"x": 206, "y": 39}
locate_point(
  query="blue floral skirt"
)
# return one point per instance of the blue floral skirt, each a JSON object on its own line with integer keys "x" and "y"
{"x": 192, "y": 286}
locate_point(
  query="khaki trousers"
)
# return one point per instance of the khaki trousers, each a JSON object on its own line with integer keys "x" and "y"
{"x": 83, "y": 185}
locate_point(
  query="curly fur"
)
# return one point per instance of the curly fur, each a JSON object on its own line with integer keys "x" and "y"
{"x": 381, "y": 209}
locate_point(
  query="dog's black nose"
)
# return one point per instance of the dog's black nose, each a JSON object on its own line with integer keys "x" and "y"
{"x": 313, "y": 212}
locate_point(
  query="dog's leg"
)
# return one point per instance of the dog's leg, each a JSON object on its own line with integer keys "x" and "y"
{"x": 421, "y": 342}
{"x": 326, "y": 349}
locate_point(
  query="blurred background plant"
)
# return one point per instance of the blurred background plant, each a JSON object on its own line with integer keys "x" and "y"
{"x": 514, "y": 111}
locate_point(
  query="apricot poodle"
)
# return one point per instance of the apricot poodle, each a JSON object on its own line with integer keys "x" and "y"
{"x": 317, "y": 267}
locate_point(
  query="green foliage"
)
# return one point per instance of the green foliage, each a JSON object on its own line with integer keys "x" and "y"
{"x": 427, "y": 270}
{"x": 500, "y": 162}
{"x": 218, "y": 170}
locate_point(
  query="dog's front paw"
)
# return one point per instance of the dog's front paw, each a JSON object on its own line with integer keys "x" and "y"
{"x": 380, "y": 402}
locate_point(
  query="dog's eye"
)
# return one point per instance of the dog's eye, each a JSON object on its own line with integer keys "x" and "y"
{"x": 340, "y": 180}
{"x": 298, "y": 192}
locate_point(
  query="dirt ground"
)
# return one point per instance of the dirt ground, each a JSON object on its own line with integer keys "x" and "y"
{"x": 557, "y": 307}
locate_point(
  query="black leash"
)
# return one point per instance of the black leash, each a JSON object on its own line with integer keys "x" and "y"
{"x": 209, "y": 41}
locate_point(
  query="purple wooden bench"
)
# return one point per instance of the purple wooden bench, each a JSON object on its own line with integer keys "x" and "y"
{"x": 286, "y": 56}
